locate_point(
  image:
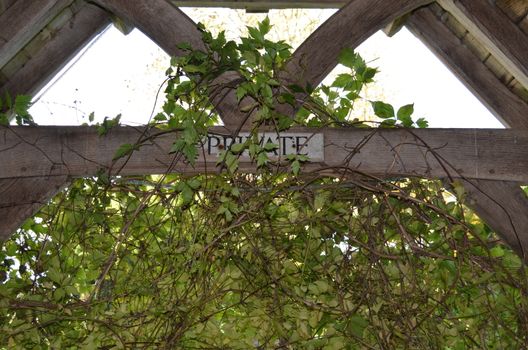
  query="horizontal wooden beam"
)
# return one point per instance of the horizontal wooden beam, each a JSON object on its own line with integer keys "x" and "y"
{"x": 494, "y": 29}
{"x": 22, "y": 21}
{"x": 21, "y": 198}
{"x": 55, "y": 54}
{"x": 261, "y": 4}
{"x": 509, "y": 108}
{"x": 431, "y": 153}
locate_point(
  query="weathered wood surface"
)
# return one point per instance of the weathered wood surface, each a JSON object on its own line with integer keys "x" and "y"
{"x": 22, "y": 21}
{"x": 22, "y": 197}
{"x": 162, "y": 22}
{"x": 261, "y": 4}
{"x": 80, "y": 151}
{"x": 502, "y": 205}
{"x": 349, "y": 27}
{"x": 502, "y": 37}
{"x": 71, "y": 38}
{"x": 510, "y": 109}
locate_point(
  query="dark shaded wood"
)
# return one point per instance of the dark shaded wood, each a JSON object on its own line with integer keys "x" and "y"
{"x": 431, "y": 153}
{"x": 495, "y": 30}
{"x": 21, "y": 198}
{"x": 71, "y": 38}
{"x": 479, "y": 79}
{"x": 262, "y": 4}
{"x": 22, "y": 21}
{"x": 504, "y": 207}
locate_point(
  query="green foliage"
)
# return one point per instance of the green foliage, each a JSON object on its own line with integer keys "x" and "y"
{"x": 278, "y": 259}
{"x": 17, "y": 109}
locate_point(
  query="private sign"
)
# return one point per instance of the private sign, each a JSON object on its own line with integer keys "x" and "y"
{"x": 308, "y": 144}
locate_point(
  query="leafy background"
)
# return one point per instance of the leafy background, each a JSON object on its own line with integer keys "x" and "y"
{"x": 279, "y": 259}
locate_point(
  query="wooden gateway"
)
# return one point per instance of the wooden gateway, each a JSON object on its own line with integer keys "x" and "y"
{"x": 484, "y": 43}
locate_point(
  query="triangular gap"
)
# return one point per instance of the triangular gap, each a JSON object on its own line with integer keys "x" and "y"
{"x": 122, "y": 74}
{"x": 411, "y": 73}
{"x": 116, "y": 74}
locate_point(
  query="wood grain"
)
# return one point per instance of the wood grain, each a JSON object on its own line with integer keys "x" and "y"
{"x": 71, "y": 38}
{"x": 502, "y": 205}
{"x": 348, "y": 27}
{"x": 22, "y": 21}
{"x": 21, "y": 198}
{"x": 510, "y": 109}
{"x": 494, "y": 29}
{"x": 431, "y": 153}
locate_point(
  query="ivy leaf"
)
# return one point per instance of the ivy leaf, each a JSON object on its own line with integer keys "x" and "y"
{"x": 296, "y": 167}
{"x": 382, "y": 110}
{"x": 237, "y": 148}
{"x": 264, "y": 26}
{"x": 404, "y": 115}
{"x": 124, "y": 150}
{"x": 347, "y": 57}
{"x": 422, "y": 123}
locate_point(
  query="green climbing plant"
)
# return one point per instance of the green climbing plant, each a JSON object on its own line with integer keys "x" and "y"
{"x": 281, "y": 258}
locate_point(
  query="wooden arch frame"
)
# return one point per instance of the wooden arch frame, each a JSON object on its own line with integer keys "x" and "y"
{"x": 500, "y": 204}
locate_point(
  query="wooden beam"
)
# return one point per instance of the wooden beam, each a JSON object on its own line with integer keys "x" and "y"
{"x": 22, "y": 21}
{"x": 167, "y": 26}
{"x": 502, "y": 205}
{"x": 71, "y": 38}
{"x": 162, "y": 22}
{"x": 349, "y": 27}
{"x": 261, "y": 4}
{"x": 431, "y": 153}
{"x": 510, "y": 109}
{"x": 21, "y": 198}
{"x": 502, "y": 37}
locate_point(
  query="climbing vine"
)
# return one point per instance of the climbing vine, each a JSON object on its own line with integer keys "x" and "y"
{"x": 280, "y": 258}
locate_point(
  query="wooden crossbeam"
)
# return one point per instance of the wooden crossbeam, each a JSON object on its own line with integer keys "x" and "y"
{"x": 502, "y": 205}
{"x": 261, "y": 4}
{"x": 22, "y": 21}
{"x": 493, "y": 28}
{"x": 432, "y": 153}
{"x": 56, "y": 53}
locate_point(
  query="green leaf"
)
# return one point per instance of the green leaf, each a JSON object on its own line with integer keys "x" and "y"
{"x": 405, "y": 112}
{"x": 124, "y": 150}
{"x": 240, "y": 93}
{"x": 296, "y": 167}
{"x": 357, "y": 325}
{"x": 4, "y": 120}
{"x": 347, "y": 57}
{"x": 264, "y": 26}
{"x": 382, "y": 110}
{"x": 422, "y": 123}
{"x": 237, "y": 148}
